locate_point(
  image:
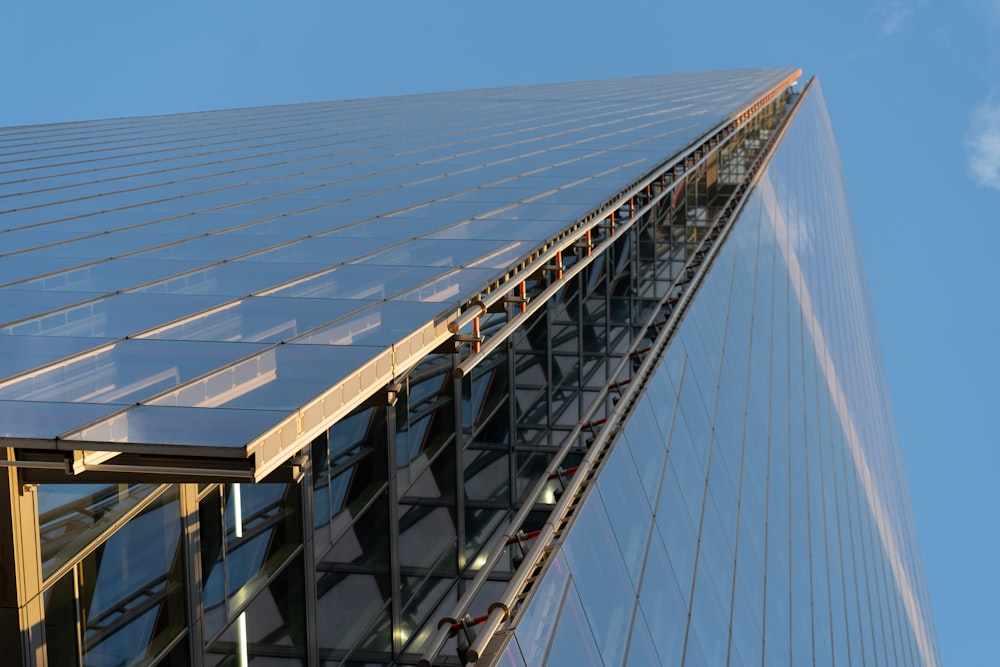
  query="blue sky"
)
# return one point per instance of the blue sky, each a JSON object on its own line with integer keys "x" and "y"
{"x": 913, "y": 89}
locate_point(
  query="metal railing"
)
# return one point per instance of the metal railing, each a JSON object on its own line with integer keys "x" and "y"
{"x": 662, "y": 323}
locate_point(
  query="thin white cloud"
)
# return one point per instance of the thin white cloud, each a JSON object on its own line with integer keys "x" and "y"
{"x": 896, "y": 15}
{"x": 984, "y": 145}
{"x": 895, "y": 18}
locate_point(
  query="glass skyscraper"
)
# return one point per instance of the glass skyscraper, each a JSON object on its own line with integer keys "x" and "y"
{"x": 571, "y": 374}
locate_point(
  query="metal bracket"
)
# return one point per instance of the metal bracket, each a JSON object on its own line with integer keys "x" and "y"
{"x": 501, "y": 305}
{"x": 452, "y": 345}
{"x": 385, "y": 397}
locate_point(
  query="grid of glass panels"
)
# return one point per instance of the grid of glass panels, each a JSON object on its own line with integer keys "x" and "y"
{"x": 356, "y": 564}
{"x": 754, "y": 510}
{"x": 359, "y": 561}
{"x": 167, "y": 275}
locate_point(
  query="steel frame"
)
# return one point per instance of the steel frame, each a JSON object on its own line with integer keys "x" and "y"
{"x": 501, "y": 311}
{"x": 661, "y": 326}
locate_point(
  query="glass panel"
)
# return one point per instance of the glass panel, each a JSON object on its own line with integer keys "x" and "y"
{"x": 455, "y": 288}
{"x": 258, "y": 320}
{"x": 23, "y": 353}
{"x": 235, "y": 279}
{"x": 109, "y": 276}
{"x": 534, "y": 628}
{"x": 351, "y": 599}
{"x": 382, "y": 324}
{"x": 499, "y": 230}
{"x": 262, "y": 530}
{"x": 28, "y": 419}
{"x": 359, "y": 281}
{"x": 71, "y": 516}
{"x": 204, "y": 427}
{"x": 573, "y": 642}
{"x": 664, "y": 604}
{"x": 629, "y": 513}
{"x": 271, "y": 629}
{"x": 605, "y": 589}
{"x": 114, "y": 317}
{"x": 280, "y": 378}
{"x": 449, "y": 253}
{"x": 124, "y": 372}
{"x": 18, "y": 304}
{"x": 131, "y": 591}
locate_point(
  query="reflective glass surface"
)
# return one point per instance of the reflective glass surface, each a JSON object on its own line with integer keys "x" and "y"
{"x": 363, "y": 200}
{"x": 123, "y": 603}
{"x": 180, "y": 285}
{"x": 781, "y": 533}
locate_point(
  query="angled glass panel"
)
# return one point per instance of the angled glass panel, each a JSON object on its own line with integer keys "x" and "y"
{"x": 238, "y": 278}
{"x": 382, "y": 324}
{"x": 359, "y": 281}
{"x": 319, "y": 250}
{"x": 279, "y": 378}
{"x": 116, "y": 316}
{"x": 439, "y": 252}
{"x": 103, "y": 246}
{"x": 257, "y": 320}
{"x": 17, "y": 268}
{"x": 605, "y": 589}
{"x": 495, "y": 229}
{"x": 31, "y": 238}
{"x": 16, "y": 304}
{"x": 202, "y": 427}
{"x": 393, "y": 228}
{"x": 535, "y": 625}
{"x": 70, "y": 516}
{"x": 123, "y": 373}
{"x": 32, "y": 419}
{"x": 543, "y": 210}
{"x": 22, "y": 353}
{"x": 109, "y": 276}
{"x": 573, "y": 642}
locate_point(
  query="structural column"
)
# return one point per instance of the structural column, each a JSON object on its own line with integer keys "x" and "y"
{"x": 22, "y": 613}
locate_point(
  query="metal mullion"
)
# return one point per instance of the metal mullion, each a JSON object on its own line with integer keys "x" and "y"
{"x": 307, "y": 521}
{"x": 393, "y": 510}
{"x": 103, "y": 536}
{"x": 77, "y": 573}
{"x": 458, "y": 441}
{"x": 512, "y": 436}
{"x": 767, "y": 482}
{"x": 743, "y": 445}
{"x": 710, "y": 455}
{"x": 548, "y": 312}
{"x": 190, "y": 522}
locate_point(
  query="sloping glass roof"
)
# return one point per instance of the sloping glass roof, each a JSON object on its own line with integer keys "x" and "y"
{"x": 196, "y": 279}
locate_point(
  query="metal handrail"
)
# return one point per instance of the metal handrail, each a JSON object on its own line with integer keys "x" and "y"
{"x": 605, "y": 440}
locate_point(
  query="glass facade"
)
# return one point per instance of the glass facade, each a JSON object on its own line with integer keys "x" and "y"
{"x": 570, "y": 374}
{"x": 743, "y": 516}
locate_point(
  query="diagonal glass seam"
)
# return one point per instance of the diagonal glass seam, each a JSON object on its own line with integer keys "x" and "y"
{"x": 375, "y": 159}
{"x": 312, "y": 144}
{"x": 874, "y": 499}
